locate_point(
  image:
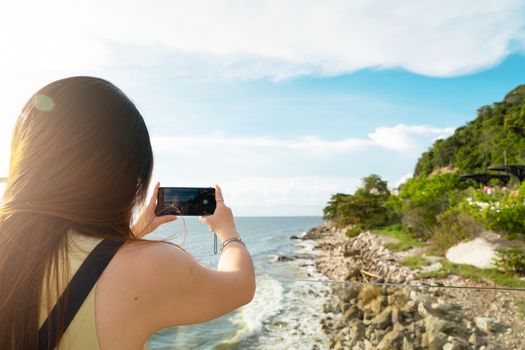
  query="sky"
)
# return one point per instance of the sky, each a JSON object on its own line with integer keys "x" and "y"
{"x": 281, "y": 103}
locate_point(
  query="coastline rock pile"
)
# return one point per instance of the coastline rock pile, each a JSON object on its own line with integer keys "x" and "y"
{"x": 365, "y": 258}
{"x": 372, "y": 316}
{"x": 383, "y": 318}
{"x": 368, "y": 255}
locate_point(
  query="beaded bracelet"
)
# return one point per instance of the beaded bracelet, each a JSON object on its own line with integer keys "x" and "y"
{"x": 232, "y": 239}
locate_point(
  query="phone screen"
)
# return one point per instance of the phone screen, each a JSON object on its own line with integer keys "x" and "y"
{"x": 189, "y": 201}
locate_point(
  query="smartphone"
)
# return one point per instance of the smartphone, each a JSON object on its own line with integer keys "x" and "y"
{"x": 188, "y": 201}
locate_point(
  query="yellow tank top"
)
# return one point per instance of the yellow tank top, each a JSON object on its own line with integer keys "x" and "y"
{"x": 81, "y": 333}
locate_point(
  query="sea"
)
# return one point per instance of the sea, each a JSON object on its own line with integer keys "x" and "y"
{"x": 286, "y": 310}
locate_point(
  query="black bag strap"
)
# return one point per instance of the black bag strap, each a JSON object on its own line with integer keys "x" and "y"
{"x": 76, "y": 291}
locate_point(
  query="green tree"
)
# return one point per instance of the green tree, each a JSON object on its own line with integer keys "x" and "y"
{"x": 373, "y": 186}
{"x": 367, "y": 207}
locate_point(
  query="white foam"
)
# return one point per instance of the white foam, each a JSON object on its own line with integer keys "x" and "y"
{"x": 299, "y": 322}
{"x": 267, "y": 302}
{"x": 307, "y": 246}
{"x": 290, "y": 319}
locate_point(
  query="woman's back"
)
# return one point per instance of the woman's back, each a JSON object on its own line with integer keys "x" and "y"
{"x": 82, "y": 332}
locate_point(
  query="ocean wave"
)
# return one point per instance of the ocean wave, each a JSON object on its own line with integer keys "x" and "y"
{"x": 249, "y": 319}
{"x": 298, "y": 324}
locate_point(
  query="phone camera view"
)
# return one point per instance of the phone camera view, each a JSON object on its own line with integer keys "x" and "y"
{"x": 189, "y": 201}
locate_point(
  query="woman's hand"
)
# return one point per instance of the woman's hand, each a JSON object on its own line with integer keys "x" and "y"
{"x": 221, "y": 222}
{"x": 148, "y": 221}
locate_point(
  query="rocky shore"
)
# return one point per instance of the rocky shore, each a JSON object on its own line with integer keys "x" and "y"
{"x": 421, "y": 314}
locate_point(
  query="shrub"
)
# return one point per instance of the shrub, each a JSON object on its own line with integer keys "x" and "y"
{"x": 354, "y": 231}
{"x": 508, "y": 219}
{"x": 453, "y": 226}
{"x": 511, "y": 260}
{"x": 424, "y": 198}
{"x": 393, "y": 207}
{"x": 502, "y": 211}
{"x": 407, "y": 240}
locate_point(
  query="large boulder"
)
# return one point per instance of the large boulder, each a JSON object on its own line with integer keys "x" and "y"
{"x": 479, "y": 252}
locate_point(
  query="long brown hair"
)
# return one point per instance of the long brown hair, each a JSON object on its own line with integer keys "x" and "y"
{"x": 81, "y": 158}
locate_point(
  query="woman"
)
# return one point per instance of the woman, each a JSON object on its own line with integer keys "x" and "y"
{"x": 81, "y": 163}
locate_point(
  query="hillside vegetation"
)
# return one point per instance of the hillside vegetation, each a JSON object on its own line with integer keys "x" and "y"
{"x": 497, "y": 129}
{"x": 436, "y": 207}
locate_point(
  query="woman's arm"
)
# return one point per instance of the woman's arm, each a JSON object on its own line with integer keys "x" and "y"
{"x": 168, "y": 287}
{"x": 172, "y": 288}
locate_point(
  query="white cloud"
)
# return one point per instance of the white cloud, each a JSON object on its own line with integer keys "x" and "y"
{"x": 304, "y": 195}
{"x": 271, "y": 174}
{"x": 312, "y": 146}
{"x": 267, "y": 175}
{"x": 404, "y": 137}
{"x": 47, "y": 37}
{"x": 400, "y": 137}
{"x": 275, "y": 39}
{"x": 402, "y": 180}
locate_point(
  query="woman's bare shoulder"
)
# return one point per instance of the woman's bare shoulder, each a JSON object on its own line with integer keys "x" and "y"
{"x": 135, "y": 250}
{"x": 151, "y": 261}
{"x": 135, "y": 281}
